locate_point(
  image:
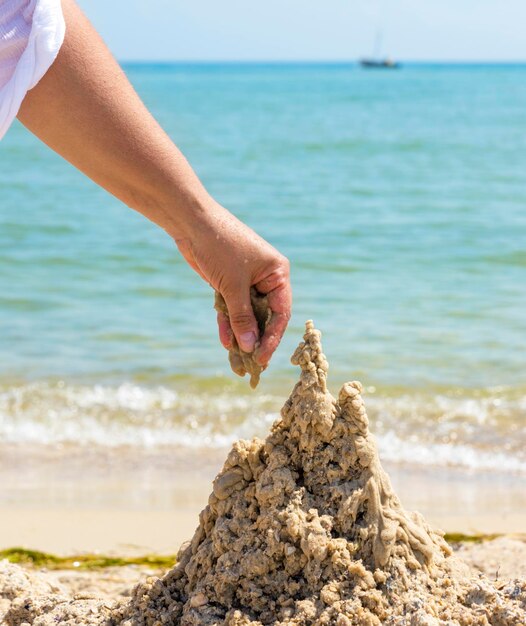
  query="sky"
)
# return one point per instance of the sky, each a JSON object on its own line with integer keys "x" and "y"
{"x": 322, "y": 30}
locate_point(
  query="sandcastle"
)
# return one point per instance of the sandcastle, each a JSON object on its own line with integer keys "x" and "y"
{"x": 304, "y": 528}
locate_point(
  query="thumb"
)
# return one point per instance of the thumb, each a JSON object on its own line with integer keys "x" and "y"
{"x": 242, "y": 319}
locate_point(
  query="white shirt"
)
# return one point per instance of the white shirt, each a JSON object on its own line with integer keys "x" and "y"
{"x": 31, "y": 33}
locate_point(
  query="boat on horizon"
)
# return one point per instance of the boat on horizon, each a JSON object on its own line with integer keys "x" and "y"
{"x": 377, "y": 61}
{"x": 387, "y": 64}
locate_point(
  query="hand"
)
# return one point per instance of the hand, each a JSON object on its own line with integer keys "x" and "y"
{"x": 232, "y": 258}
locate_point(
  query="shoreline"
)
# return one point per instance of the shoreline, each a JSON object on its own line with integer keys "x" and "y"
{"x": 128, "y": 501}
{"x": 156, "y": 517}
{"x": 135, "y": 533}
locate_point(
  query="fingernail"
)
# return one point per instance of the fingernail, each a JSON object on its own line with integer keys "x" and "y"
{"x": 247, "y": 341}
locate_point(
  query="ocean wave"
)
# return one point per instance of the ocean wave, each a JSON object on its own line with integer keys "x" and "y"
{"x": 482, "y": 430}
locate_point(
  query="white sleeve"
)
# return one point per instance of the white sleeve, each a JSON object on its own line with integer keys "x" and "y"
{"x": 31, "y": 33}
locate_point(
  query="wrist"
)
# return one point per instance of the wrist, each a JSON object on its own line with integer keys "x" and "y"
{"x": 181, "y": 213}
{"x": 185, "y": 219}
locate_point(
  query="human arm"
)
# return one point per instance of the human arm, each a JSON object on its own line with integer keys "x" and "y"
{"x": 85, "y": 109}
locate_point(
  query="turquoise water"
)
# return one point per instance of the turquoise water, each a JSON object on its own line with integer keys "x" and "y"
{"x": 400, "y": 199}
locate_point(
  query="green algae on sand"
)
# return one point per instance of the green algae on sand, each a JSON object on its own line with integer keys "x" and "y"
{"x": 87, "y": 561}
{"x": 35, "y": 558}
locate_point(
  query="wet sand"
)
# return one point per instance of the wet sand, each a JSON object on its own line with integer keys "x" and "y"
{"x": 77, "y": 500}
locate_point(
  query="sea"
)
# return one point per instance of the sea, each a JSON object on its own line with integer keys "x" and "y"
{"x": 398, "y": 196}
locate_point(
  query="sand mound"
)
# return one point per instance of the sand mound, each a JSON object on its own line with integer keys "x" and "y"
{"x": 304, "y": 529}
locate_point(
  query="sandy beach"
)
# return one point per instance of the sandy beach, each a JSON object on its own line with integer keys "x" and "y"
{"x": 67, "y": 526}
{"x": 73, "y": 500}
{"x": 302, "y": 527}
{"x": 502, "y": 559}
{"x": 111, "y": 511}
{"x": 127, "y": 502}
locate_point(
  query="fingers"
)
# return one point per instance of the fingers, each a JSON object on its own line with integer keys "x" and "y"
{"x": 277, "y": 325}
{"x": 242, "y": 320}
{"x": 280, "y": 303}
{"x": 225, "y": 330}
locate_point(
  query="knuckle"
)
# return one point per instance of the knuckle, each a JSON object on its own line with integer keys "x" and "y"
{"x": 280, "y": 273}
{"x": 285, "y": 264}
{"x": 241, "y": 319}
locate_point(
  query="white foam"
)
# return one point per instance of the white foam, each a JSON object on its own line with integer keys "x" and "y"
{"x": 394, "y": 449}
{"x": 481, "y": 432}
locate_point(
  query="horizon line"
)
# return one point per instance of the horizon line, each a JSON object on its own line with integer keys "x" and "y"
{"x": 352, "y": 61}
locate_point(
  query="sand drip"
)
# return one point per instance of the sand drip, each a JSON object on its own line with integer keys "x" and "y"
{"x": 245, "y": 362}
{"x": 305, "y": 529}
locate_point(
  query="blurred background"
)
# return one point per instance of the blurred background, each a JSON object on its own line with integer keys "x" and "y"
{"x": 399, "y": 195}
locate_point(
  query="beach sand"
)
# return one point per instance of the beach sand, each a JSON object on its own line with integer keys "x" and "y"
{"x": 501, "y": 559}
{"x": 71, "y": 501}
{"x": 303, "y": 526}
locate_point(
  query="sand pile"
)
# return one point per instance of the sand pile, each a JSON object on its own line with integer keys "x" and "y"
{"x": 304, "y": 529}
